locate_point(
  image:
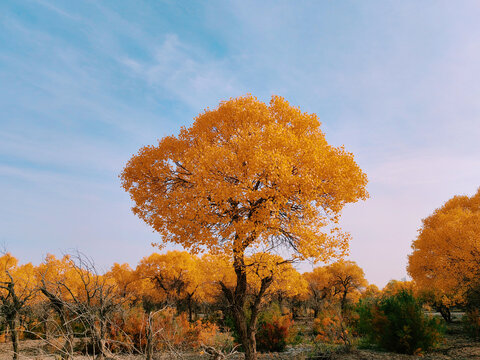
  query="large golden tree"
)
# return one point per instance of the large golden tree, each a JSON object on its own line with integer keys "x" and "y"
{"x": 247, "y": 177}
{"x": 446, "y": 254}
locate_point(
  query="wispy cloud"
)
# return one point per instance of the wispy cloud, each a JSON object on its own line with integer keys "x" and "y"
{"x": 179, "y": 71}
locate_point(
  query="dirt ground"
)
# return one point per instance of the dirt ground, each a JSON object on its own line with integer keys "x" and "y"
{"x": 455, "y": 347}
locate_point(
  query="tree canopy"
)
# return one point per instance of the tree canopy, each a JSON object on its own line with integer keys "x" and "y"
{"x": 247, "y": 174}
{"x": 446, "y": 253}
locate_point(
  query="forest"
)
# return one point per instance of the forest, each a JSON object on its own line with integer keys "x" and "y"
{"x": 249, "y": 190}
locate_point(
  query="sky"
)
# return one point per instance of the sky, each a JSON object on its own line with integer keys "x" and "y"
{"x": 85, "y": 84}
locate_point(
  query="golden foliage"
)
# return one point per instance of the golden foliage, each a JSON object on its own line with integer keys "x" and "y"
{"x": 287, "y": 281}
{"x": 446, "y": 253}
{"x": 371, "y": 291}
{"x": 247, "y": 174}
{"x": 342, "y": 280}
{"x": 174, "y": 275}
{"x": 17, "y": 282}
{"x": 394, "y": 287}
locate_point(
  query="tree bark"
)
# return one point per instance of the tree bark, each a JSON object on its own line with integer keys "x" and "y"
{"x": 12, "y": 324}
{"x": 99, "y": 342}
{"x": 104, "y": 352}
{"x": 247, "y": 336}
{"x": 344, "y": 301}
{"x": 67, "y": 350}
{"x": 294, "y": 310}
{"x": 189, "y": 306}
{"x": 237, "y": 299}
{"x": 246, "y": 328}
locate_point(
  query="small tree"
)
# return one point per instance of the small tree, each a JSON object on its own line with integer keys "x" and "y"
{"x": 55, "y": 281}
{"x": 339, "y": 281}
{"x": 320, "y": 288}
{"x": 77, "y": 291}
{"x": 95, "y": 301}
{"x": 17, "y": 288}
{"x": 176, "y": 275}
{"x": 346, "y": 278}
{"x": 247, "y": 176}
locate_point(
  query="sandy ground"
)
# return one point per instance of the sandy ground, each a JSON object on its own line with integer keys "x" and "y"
{"x": 456, "y": 347}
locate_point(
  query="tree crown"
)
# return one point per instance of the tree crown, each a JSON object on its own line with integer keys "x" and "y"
{"x": 247, "y": 175}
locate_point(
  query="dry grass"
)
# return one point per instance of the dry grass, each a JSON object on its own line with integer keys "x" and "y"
{"x": 456, "y": 347}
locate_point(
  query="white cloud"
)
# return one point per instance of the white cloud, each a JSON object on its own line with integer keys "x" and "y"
{"x": 180, "y": 71}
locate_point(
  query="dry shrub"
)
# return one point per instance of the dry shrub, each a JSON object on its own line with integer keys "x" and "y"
{"x": 180, "y": 332}
{"x": 332, "y": 327}
{"x": 170, "y": 331}
{"x": 128, "y": 330}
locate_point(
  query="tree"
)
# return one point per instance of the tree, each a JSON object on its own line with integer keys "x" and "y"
{"x": 396, "y": 322}
{"x": 320, "y": 288}
{"x": 17, "y": 288}
{"x": 332, "y": 287}
{"x": 440, "y": 301}
{"x": 77, "y": 291}
{"x": 286, "y": 281}
{"x": 55, "y": 280}
{"x": 371, "y": 292}
{"x": 288, "y": 284}
{"x": 176, "y": 276}
{"x": 446, "y": 254}
{"x": 244, "y": 177}
{"x": 394, "y": 287}
{"x": 126, "y": 280}
{"x": 339, "y": 281}
{"x": 346, "y": 279}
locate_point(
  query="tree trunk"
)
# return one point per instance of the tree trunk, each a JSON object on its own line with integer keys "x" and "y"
{"x": 189, "y": 306}
{"x": 246, "y": 327}
{"x": 344, "y": 301}
{"x": 100, "y": 341}
{"x": 445, "y": 312}
{"x": 294, "y": 311}
{"x": 251, "y": 346}
{"x": 103, "y": 342}
{"x": 68, "y": 347}
{"x": 149, "y": 336}
{"x": 12, "y": 324}
{"x": 280, "y": 303}
{"x": 247, "y": 336}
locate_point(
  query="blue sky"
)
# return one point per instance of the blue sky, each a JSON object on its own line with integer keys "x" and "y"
{"x": 84, "y": 84}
